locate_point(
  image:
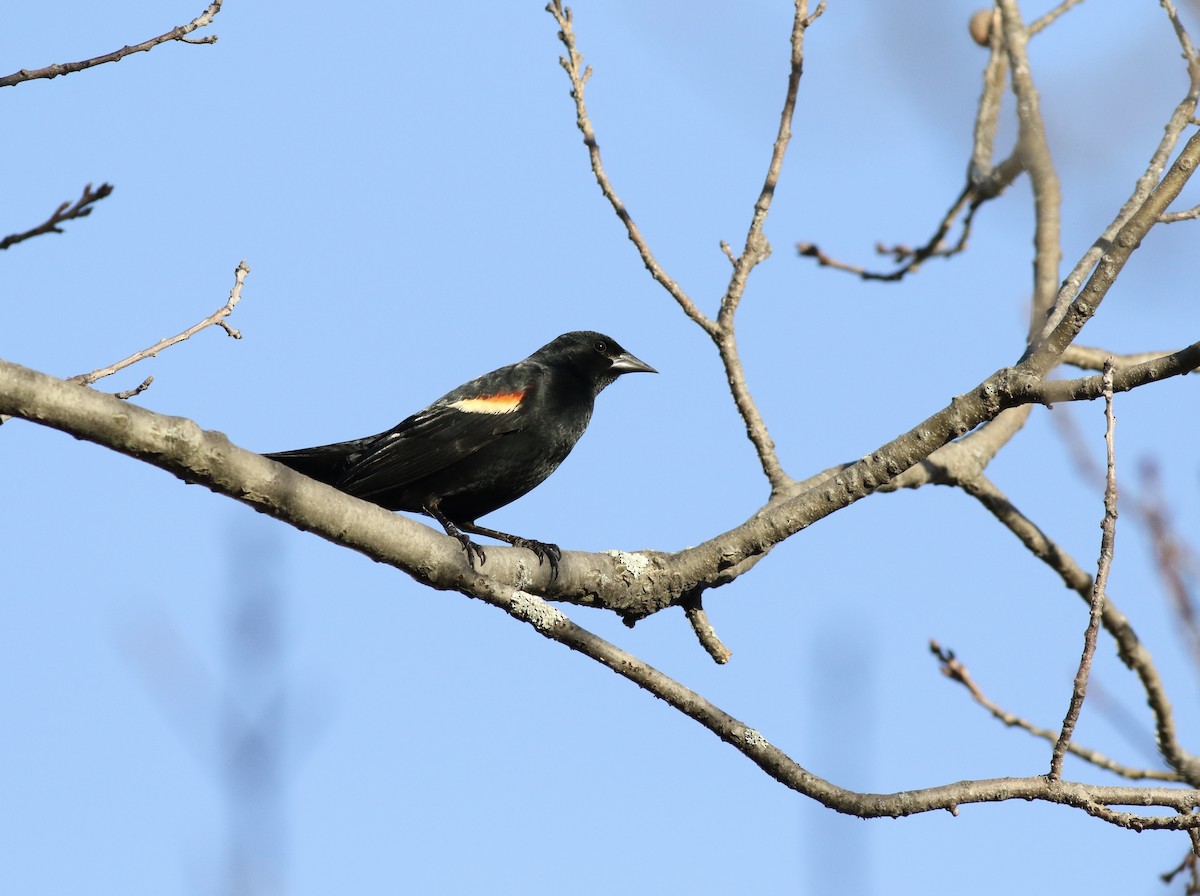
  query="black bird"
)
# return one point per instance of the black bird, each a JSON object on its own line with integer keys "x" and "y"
{"x": 482, "y": 445}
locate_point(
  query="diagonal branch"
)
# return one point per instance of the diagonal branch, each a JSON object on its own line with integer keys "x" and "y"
{"x": 572, "y": 64}
{"x": 65, "y": 212}
{"x": 1124, "y": 378}
{"x": 1132, "y": 651}
{"x": 208, "y": 458}
{"x": 756, "y": 250}
{"x": 954, "y": 669}
{"x": 985, "y": 181}
{"x": 216, "y": 319}
{"x": 1181, "y": 118}
{"x": 1099, "y": 584}
{"x": 756, "y": 247}
{"x": 179, "y": 33}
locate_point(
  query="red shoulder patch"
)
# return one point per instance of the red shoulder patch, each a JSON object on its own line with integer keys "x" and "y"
{"x": 501, "y": 403}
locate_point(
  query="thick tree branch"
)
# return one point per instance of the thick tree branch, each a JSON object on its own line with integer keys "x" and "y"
{"x": 65, "y": 212}
{"x": 208, "y": 458}
{"x": 179, "y": 33}
{"x": 1181, "y": 118}
{"x": 661, "y": 580}
{"x": 1033, "y": 149}
{"x": 668, "y": 577}
{"x": 1086, "y": 388}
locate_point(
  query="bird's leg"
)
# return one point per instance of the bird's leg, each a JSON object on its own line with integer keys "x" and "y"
{"x": 542, "y": 550}
{"x": 473, "y": 550}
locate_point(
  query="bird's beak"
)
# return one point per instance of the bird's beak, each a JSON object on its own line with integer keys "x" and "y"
{"x": 627, "y": 363}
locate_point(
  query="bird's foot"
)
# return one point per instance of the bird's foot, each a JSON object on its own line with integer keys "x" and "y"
{"x": 543, "y": 551}
{"x": 472, "y": 549}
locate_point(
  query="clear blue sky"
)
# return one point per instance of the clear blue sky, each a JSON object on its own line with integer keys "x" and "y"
{"x": 409, "y": 187}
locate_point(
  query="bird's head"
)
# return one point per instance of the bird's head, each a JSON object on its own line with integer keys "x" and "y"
{"x": 599, "y": 358}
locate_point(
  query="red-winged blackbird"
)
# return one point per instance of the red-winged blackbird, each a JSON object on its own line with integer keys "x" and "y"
{"x": 481, "y": 446}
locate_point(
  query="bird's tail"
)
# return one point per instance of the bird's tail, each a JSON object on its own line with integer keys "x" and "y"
{"x": 316, "y": 463}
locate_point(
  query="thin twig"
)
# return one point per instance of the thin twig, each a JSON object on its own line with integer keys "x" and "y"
{"x": 67, "y": 68}
{"x": 955, "y": 670}
{"x": 1188, "y": 864}
{"x": 755, "y": 250}
{"x": 979, "y": 189}
{"x": 572, "y": 64}
{"x": 1132, "y": 651}
{"x": 1087, "y": 357}
{"x": 1109, "y": 530}
{"x": 705, "y": 633}
{"x": 1173, "y": 557}
{"x": 65, "y": 212}
{"x": 756, "y": 247}
{"x": 1175, "y": 217}
{"x": 216, "y": 319}
{"x": 1048, "y": 19}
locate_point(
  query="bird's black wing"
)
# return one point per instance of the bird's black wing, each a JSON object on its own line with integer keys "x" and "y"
{"x": 431, "y": 440}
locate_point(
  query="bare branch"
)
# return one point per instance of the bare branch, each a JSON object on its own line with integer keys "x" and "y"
{"x": 572, "y": 64}
{"x": 705, "y": 633}
{"x": 1183, "y": 116}
{"x": 67, "y": 68}
{"x": 1049, "y": 18}
{"x": 1108, "y": 529}
{"x": 1089, "y": 358}
{"x": 216, "y": 319}
{"x": 208, "y": 458}
{"x": 65, "y": 212}
{"x": 1132, "y": 652}
{"x": 136, "y": 390}
{"x": 1188, "y": 864}
{"x": 1064, "y": 326}
{"x": 1174, "y": 559}
{"x": 955, "y": 670}
{"x": 756, "y": 248}
{"x": 1033, "y": 150}
{"x": 1086, "y": 388}
{"x": 977, "y": 191}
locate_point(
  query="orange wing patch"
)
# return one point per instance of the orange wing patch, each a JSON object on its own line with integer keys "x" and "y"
{"x": 503, "y": 403}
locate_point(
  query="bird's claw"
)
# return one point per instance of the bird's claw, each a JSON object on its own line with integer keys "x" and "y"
{"x": 543, "y": 551}
{"x": 472, "y": 549}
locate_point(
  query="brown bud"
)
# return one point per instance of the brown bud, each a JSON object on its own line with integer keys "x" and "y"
{"x": 981, "y": 26}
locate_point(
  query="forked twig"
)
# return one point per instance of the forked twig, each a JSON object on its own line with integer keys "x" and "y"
{"x": 66, "y": 68}
{"x": 572, "y": 64}
{"x": 65, "y": 212}
{"x": 216, "y": 319}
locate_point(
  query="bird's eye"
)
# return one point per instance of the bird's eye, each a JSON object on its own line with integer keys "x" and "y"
{"x": 601, "y": 346}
